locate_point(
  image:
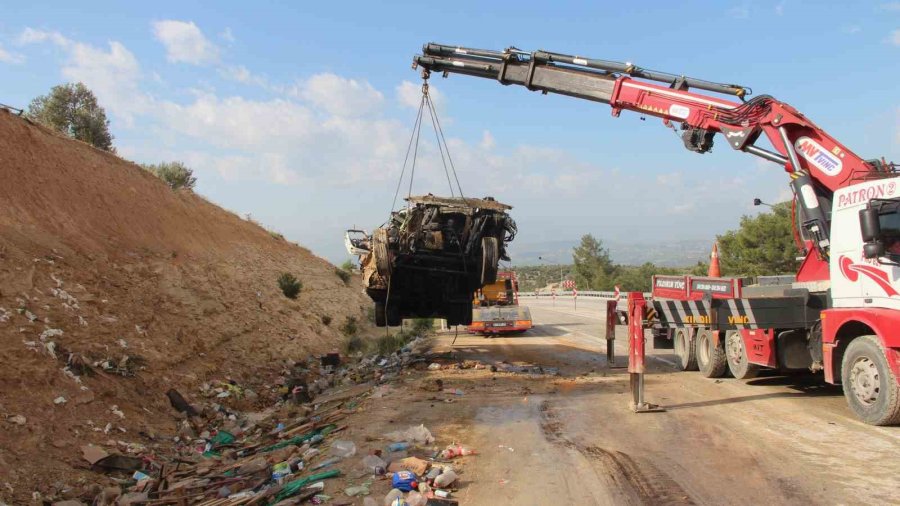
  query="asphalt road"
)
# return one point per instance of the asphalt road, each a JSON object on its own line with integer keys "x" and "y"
{"x": 771, "y": 440}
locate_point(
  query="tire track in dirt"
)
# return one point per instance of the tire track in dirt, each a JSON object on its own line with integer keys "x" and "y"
{"x": 643, "y": 480}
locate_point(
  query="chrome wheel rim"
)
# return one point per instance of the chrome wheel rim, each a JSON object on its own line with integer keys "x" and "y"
{"x": 864, "y": 381}
{"x": 735, "y": 348}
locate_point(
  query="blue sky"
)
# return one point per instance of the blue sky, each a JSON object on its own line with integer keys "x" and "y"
{"x": 299, "y": 114}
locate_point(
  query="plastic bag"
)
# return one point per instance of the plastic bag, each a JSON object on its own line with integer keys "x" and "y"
{"x": 374, "y": 464}
{"x": 416, "y": 434}
{"x": 343, "y": 449}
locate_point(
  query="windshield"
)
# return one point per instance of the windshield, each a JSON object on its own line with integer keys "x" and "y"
{"x": 889, "y": 223}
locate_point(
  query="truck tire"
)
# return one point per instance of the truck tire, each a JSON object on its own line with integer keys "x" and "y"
{"x": 392, "y": 316}
{"x": 710, "y": 358}
{"x": 685, "y": 349}
{"x": 870, "y": 386}
{"x": 382, "y": 253}
{"x": 736, "y": 354}
{"x": 490, "y": 255}
{"x": 380, "y": 317}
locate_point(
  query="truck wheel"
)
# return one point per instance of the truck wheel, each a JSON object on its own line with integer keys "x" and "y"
{"x": 490, "y": 255}
{"x": 869, "y": 384}
{"x": 380, "y": 318}
{"x": 736, "y": 355}
{"x": 382, "y": 253}
{"x": 710, "y": 358}
{"x": 392, "y": 316}
{"x": 684, "y": 349}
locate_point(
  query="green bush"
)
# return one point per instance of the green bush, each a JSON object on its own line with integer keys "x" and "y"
{"x": 175, "y": 174}
{"x": 326, "y": 319}
{"x": 421, "y": 326}
{"x": 290, "y": 285}
{"x": 275, "y": 235}
{"x": 344, "y": 275}
{"x": 390, "y": 343}
{"x": 350, "y": 326}
{"x": 354, "y": 344}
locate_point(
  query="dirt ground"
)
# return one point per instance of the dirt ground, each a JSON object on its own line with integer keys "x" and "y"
{"x": 571, "y": 439}
{"x": 114, "y": 289}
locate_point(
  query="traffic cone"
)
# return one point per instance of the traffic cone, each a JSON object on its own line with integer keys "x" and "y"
{"x": 714, "y": 262}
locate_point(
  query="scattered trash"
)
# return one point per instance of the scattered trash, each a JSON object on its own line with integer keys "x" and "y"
{"x": 413, "y": 464}
{"x": 392, "y": 498}
{"x": 434, "y": 366}
{"x": 180, "y": 404}
{"x": 357, "y": 490}
{"x": 416, "y": 434}
{"x": 343, "y": 449}
{"x": 59, "y": 400}
{"x": 374, "y": 464}
{"x": 398, "y": 447}
{"x": 404, "y": 481}
{"x": 139, "y": 476}
{"x": 446, "y": 479}
{"x": 456, "y": 450}
{"x": 17, "y": 419}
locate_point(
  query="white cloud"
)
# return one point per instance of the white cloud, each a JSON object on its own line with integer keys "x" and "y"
{"x": 894, "y": 38}
{"x": 243, "y": 75}
{"x": 226, "y": 35}
{"x": 409, "y": 94}
{"x": 779, "y": 8}
{"x": 338, "y": 95}
{"x": 487, "y": 141}
{"x": 8, "y": 57}
{"x": 891, "y": 6}
{"x": 739, "y": 11}
{"x": 184, "y": 42}
{"x": 113, "y": 75}
{"x": 851, "y": 29}
{"x": 32, "y": 36}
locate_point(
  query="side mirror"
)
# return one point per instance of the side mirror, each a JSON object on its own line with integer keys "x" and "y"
{"x": 869, "y": 224}
{"x": 873, "y": 250}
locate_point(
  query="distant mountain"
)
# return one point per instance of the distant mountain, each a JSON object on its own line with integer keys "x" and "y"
{"x": 663, "y": 253}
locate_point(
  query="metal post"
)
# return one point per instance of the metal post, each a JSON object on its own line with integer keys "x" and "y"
{"x": 611, "y": 319}
{"x": 637, "y": 307}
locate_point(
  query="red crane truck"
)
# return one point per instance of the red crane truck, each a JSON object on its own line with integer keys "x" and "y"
{"x": 841, "y": 314}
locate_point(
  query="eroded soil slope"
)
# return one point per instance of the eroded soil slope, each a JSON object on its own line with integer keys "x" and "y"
{"x": 114, "y": 289}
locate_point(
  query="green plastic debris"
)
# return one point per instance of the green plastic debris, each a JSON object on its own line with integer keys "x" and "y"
{"x": 222, "y": 438}
{"x": 293, "y": 488}
{"x": 299, "y": 440}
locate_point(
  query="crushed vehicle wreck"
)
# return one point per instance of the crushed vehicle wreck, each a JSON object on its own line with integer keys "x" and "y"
{"x": 431, "y": 256}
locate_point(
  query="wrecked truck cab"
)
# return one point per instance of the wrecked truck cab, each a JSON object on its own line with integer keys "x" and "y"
{"x": 431, "y": 256}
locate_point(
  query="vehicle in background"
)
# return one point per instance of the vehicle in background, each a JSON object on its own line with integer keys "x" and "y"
{"x": 496, "y": 309}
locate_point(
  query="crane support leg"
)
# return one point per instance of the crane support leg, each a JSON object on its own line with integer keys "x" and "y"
{"x": 611, "y": 321}
{"x": 637, "y": 307}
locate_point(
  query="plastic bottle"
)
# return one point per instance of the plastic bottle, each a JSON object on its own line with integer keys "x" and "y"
{"x": 325, "y": 463}
{"x": 392, "y": 496}
{"x": 445, "y": 479}
{"x": 397, "y": 447}
{"x": 374, "y": 464}
{"x": 416, "y": 499}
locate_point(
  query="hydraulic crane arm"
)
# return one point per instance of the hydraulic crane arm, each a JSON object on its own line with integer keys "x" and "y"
{"x": 818, "y": 164}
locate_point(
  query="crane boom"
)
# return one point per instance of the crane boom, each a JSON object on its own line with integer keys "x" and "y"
{"x": 817, "y": 163}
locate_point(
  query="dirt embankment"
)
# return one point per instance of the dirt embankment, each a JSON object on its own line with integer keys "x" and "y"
{"x": 114, "y": 289}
